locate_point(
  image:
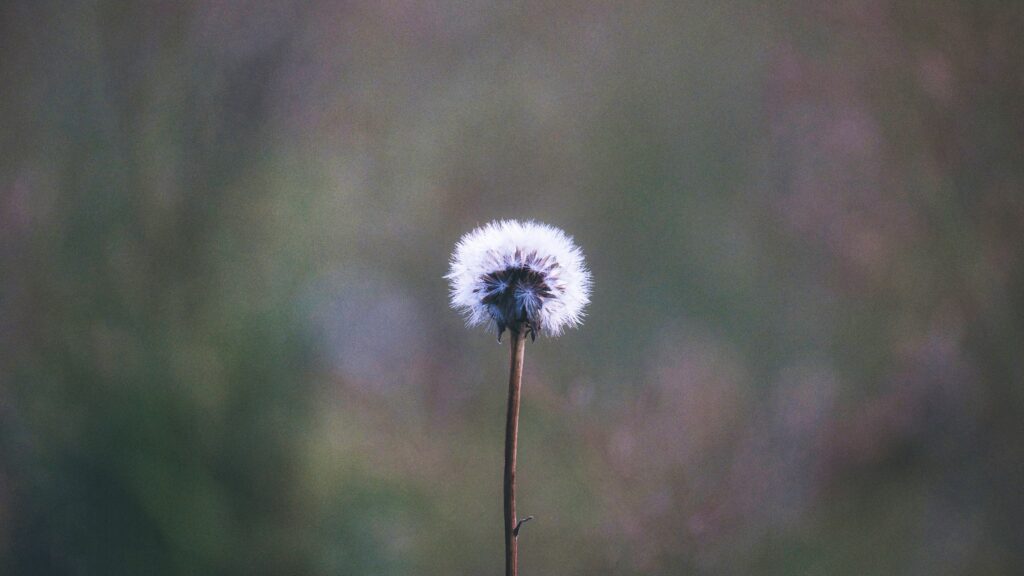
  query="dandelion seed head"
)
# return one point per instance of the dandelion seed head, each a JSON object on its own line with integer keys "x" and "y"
{"x": 519, "y": 274}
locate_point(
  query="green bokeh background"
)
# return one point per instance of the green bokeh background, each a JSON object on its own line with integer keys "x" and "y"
{"x": 225, "y": 344}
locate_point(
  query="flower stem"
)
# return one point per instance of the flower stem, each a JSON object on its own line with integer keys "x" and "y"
{"x": 515, "y": 378}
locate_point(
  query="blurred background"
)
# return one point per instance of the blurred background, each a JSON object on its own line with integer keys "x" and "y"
{"x": 225, "y": 344}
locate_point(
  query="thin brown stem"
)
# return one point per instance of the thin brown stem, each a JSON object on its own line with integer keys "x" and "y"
{"x": 515, "y": 378}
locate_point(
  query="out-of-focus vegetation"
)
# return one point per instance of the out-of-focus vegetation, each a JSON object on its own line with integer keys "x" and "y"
{"x": 225, "y": 346}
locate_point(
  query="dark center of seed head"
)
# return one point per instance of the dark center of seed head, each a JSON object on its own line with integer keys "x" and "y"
{"x": 514, "y": 297}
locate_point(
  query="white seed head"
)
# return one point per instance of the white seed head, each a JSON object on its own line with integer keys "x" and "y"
{"x": 519, "y": 275}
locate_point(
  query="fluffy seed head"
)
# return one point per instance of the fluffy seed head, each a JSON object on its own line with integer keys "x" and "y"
{"x": 519, "y": 275}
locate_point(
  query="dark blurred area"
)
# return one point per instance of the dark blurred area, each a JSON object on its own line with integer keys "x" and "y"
{"x": 225, "y": 344}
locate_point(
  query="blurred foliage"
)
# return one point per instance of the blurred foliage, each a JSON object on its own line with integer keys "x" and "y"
{"x": 226, "y": 347}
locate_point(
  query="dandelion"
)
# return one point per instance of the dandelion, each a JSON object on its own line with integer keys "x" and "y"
{"x": 528, "y": 278}
{"x": 513, "y": 274}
